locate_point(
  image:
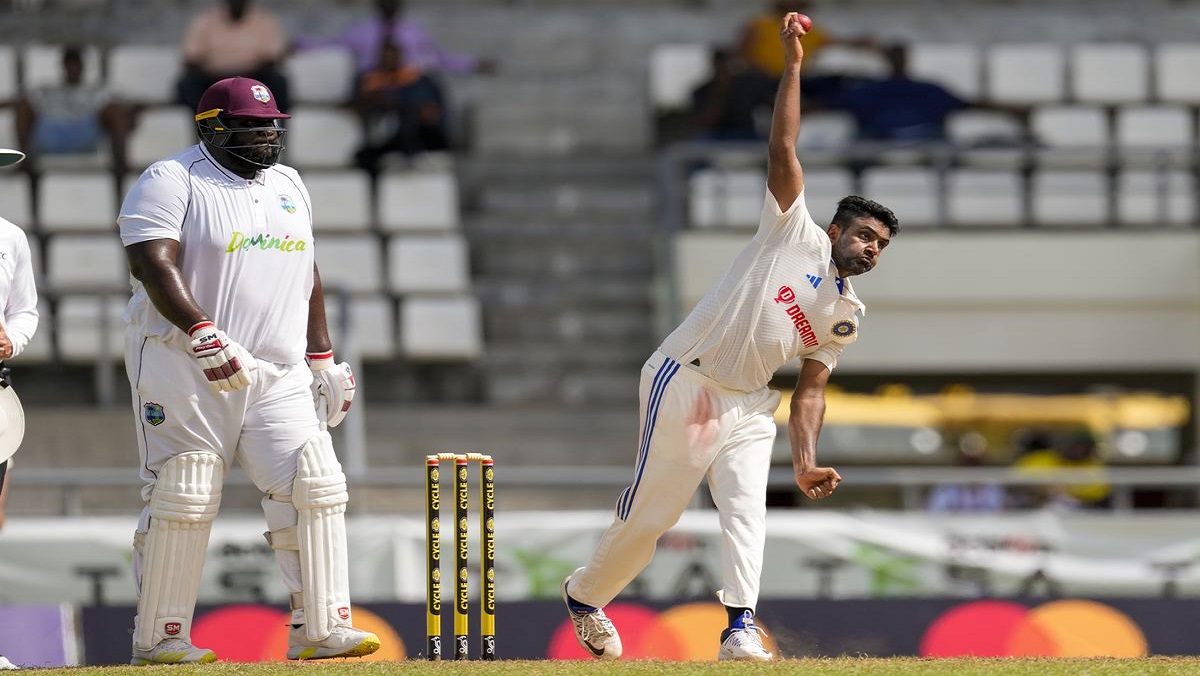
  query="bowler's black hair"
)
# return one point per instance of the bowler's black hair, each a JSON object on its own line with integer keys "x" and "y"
{"x": 853, "y": 206}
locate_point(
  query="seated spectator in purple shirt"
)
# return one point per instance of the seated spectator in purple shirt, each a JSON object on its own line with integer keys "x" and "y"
{"x": 365, "y": 39}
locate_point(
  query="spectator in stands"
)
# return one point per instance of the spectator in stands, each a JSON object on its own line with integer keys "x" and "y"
{"x": 71, "y": 117}
{"x": 972, "y": 496}
{"x": 759, "y": 40}
{"x": 1079, "y": 452}
{"x": 730, "y": 104}
{"x": 367, "y": 38}
{"x": 230, "y": 39}
{"x": 401, "y": 108}
{"x": 898, "y": 107}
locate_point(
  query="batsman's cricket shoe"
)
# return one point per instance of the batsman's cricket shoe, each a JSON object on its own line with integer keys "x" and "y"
{"x": 742, "y": 642}
{"x": 5, "y": 664}
{"x": 594, "y": 631}
{"x": 172, "y": 651}
{"x": 343, "y": 641}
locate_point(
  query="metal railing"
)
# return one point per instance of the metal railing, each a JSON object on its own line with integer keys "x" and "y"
{"x": 912, "y": 483}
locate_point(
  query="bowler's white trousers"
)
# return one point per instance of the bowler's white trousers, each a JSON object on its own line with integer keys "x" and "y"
{"x": 691, "y": 428}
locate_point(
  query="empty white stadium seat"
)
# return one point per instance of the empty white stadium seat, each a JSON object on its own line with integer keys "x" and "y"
{"x": 984, "y": 197}
{"x": 9, "y": 82}
{"x": 676, "y": 70}
{"x": 144, "y": 74}
{"x": 40, "y": 348}
{"x": 1175, "y": 68}
{"x": 77, "y": 201}
{"x": 418, "y": 201}
{"x": 1110, "y": 72}
{"x": 81, "y": 329}
{"x": 956, "y": 66}
{"x": 1069, "y": 198}
{"x": 350, "y": 262}
{"x": 722, "y": 198}
{"x": 1070, "y": 136}
{"x": 324, "y": 75}
{"x": 1155, "y": 135}
{"x": 441, "y": 328}
{"x": 1156, "y": 198}
{"x": 160, "y": 133}
{"x": 824, "y": 136}
{"x": 848, "y": 60}
{"x": 987, "y": 138}
{"x": 16, "y": 203}
{"x": 42, "y": 65}
{"x": 823, "y": 188}
{"x": 910, "y": 192}
{"x": 1025, "y": 73}
{"x": 372, "y": 325}
{"x": 95, "y": 262}
{"x": 428, "y": 264}
{"x": 321, "y": 137}
{"x": 700, "y": 258}
{"x": 341, "y": 200}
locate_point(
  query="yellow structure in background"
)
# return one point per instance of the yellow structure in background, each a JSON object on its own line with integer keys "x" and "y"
{"x": 1130, "y": 427}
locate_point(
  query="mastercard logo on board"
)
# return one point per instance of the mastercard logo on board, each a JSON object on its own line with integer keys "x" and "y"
{"x": 1068, "y": 628}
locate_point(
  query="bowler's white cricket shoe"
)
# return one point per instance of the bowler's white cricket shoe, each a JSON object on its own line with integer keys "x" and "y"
{"x": 172, "y": 651}
{"x": 343, "y": 641}
{"x": 5, "y": 664}
{"x": 743, "y": 643}
{"x": 594, "y": 631}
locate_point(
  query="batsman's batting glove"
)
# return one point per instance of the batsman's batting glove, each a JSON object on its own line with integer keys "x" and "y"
{"x": 225, "y": 363}
{"x": 332, "y": 387}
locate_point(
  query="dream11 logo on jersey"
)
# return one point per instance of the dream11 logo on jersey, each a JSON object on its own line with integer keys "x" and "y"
{"x": 788, "y": 297}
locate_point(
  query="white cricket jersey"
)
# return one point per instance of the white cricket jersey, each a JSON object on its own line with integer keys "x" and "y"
{"x": 781, "y": 298}
{"x": 245, "y": 250}
{"x": 18, "y": 293}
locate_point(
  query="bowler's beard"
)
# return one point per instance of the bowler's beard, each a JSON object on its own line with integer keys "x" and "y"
{"x": 848, "y": 266}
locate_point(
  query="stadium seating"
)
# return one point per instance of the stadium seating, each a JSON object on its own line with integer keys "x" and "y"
{"x": 341, "y": 200}
{"x": 675, "y": 70}
{"x": 441, "y": 328}
{"x": 1023, "y": 74}
{"x": 76, "y": 201}
{"x": 351, "y": 263}
{"x": 144, "y": 74}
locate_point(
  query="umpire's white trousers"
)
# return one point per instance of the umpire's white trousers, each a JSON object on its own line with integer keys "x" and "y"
{"x": 691, "y": 428}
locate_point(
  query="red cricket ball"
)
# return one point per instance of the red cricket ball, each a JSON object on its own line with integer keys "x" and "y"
{"x": 805, "y": 22}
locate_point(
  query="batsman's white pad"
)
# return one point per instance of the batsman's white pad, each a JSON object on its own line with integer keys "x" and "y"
{"x": 183, "y": 504}
{"x": 320, "y": 498}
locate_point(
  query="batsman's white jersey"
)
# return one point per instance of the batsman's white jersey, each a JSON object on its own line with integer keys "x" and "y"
{"x": 706, "y": 410}
{"x": 246, "y": 253}
{"x": 254, "y": 236}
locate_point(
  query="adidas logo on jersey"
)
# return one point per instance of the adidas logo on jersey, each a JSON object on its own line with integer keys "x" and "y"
{"x": 814, "y": 280}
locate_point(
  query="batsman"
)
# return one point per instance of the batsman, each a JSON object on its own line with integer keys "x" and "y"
{"x": 229, "y": 358}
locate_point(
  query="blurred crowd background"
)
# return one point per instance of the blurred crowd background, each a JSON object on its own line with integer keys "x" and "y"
{"x": 515, "y": 200}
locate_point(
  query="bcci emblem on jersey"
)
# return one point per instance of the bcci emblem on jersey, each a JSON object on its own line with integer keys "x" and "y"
{"x": 844, "y": 328}
{"x": 154, "y": 413}
{"x": 288, "y": 205}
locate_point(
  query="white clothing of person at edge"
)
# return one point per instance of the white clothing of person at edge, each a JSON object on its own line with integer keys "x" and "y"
{"x": 229, "y": 358}
{"x": 18, "y": 310}
{"x": 706, "y": 410}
